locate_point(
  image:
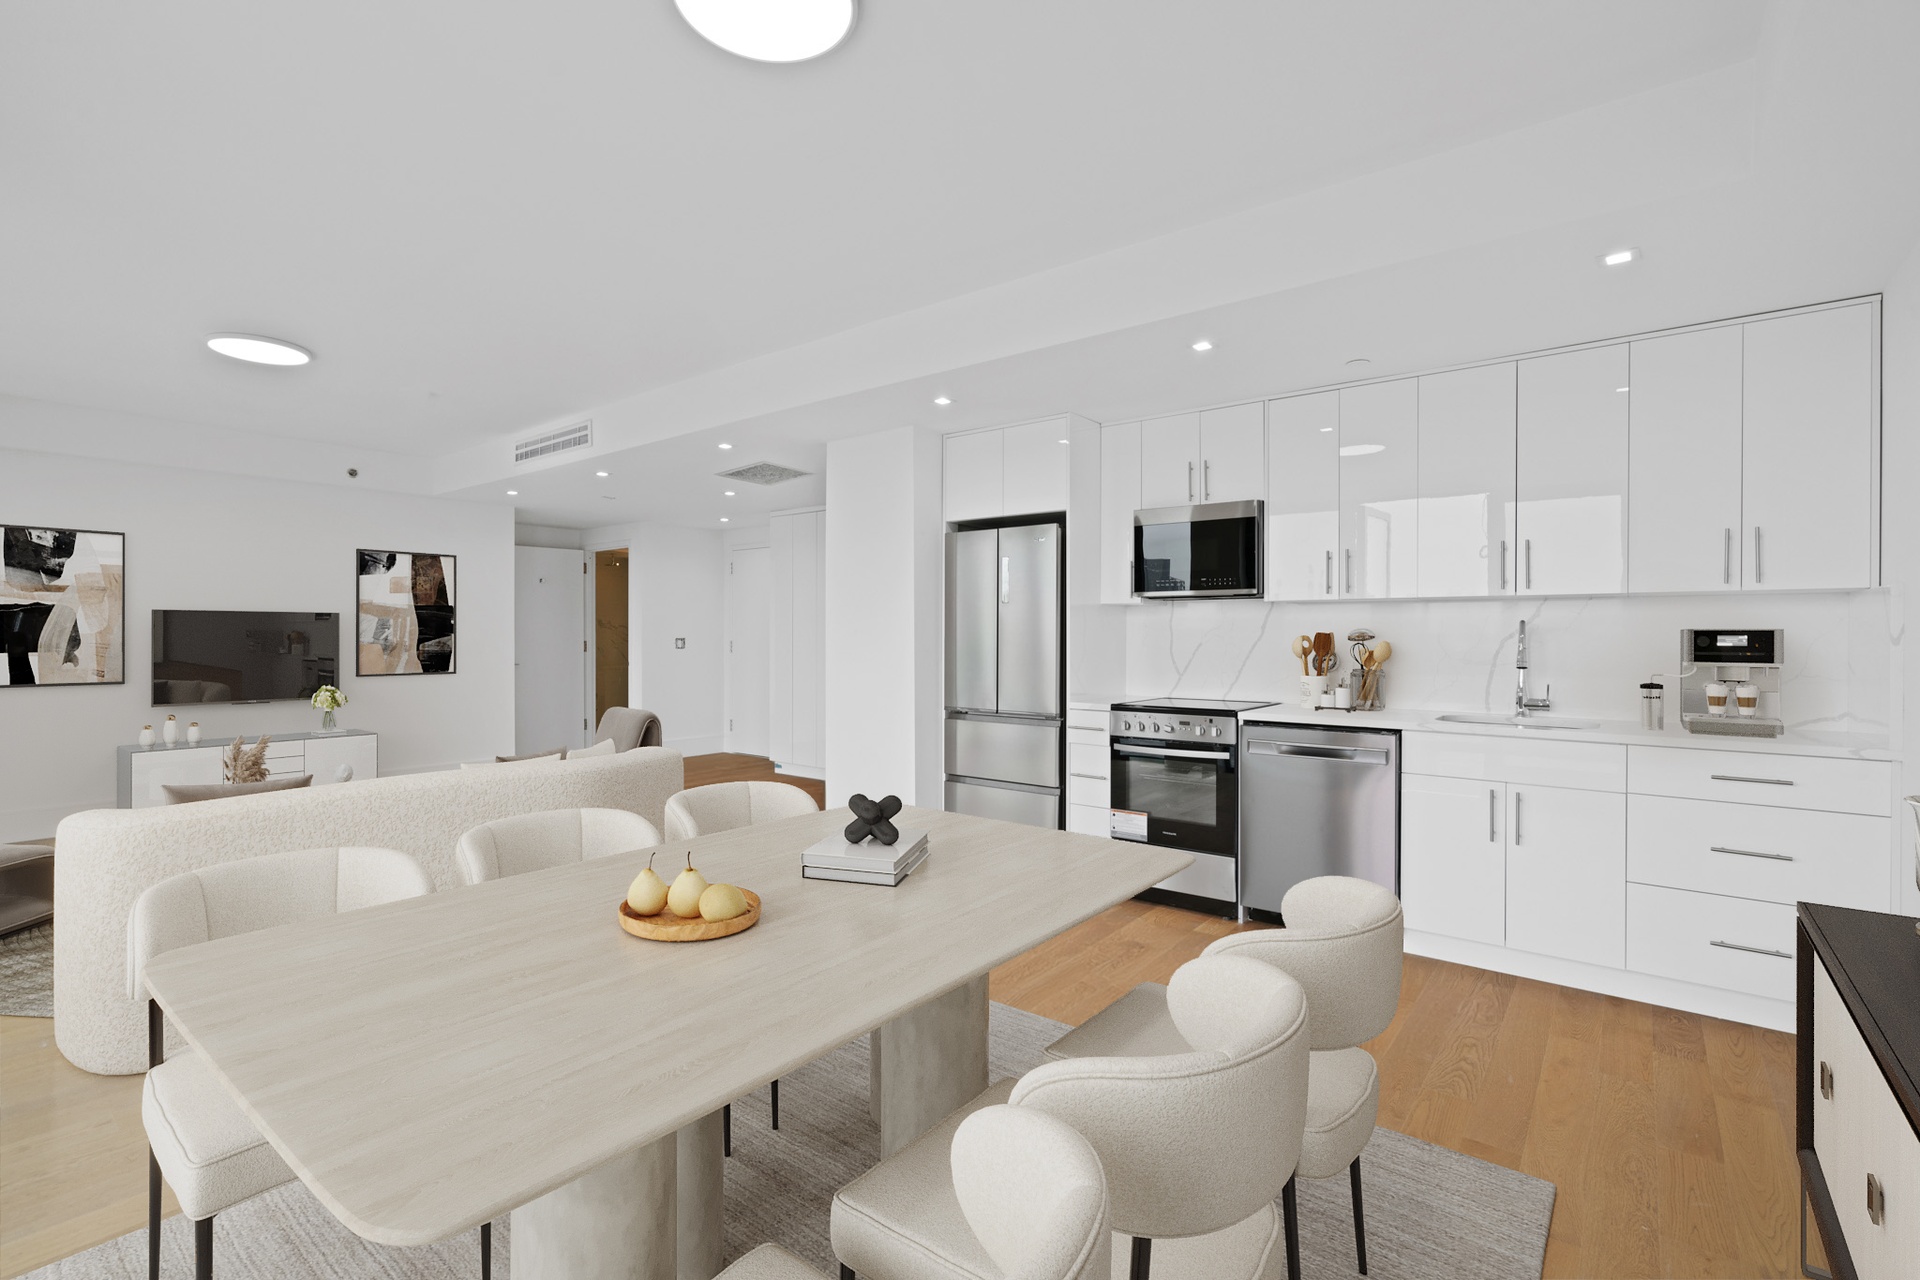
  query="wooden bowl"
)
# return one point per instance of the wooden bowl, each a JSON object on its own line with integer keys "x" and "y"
{"x": 668, "y": 927}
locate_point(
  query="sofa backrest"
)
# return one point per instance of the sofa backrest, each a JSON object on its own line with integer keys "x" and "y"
{"x": 107, "y": 857}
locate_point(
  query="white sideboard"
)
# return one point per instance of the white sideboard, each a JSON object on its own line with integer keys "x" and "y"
{"x": 329, "y": 757}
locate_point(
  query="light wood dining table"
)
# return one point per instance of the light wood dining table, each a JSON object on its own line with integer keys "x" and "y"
{"x": 428, "y": 1065}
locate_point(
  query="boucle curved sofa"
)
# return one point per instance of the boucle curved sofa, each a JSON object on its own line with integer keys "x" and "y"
{"x": 106, "y": 857}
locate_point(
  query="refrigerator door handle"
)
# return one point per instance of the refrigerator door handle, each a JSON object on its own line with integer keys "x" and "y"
{"x": 1006, "y": 579}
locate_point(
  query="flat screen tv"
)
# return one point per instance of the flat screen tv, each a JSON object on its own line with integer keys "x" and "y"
{"x": 220, "y": 655}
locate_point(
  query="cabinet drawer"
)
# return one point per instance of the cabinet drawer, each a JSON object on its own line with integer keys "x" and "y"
{"x": 1757, "y": 851}
{"x": 1082, "y": 719}
{"x": 283, "y": 750}
{"x": 1790, "y": 782}
{"x": 1088, "y": 737}
{"x": 1089, "y": 791}
{"x": 1090, "y": 820}
{"x": 1586, "y": 766}
{"x": 1085, "y": 761}
{"x": 1734, "y": 943}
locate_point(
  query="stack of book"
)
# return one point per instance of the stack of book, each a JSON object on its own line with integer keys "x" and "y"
{"x": 868, "y": 862}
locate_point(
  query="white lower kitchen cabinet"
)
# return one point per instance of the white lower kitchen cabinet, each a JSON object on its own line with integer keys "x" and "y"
{"x": 1733, "y": 943}
{"x": 1090, "y": 820}
{"x": 1566, "y": 873}
{"x": 1756, "y": 851}
{"x": 1453, "y": 857}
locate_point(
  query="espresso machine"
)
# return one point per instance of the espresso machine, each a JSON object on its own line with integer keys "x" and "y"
{"x": 1715, "y": 666}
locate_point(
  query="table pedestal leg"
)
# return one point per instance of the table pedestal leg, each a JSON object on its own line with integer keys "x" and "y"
{"x": 702, "y": 1179}
{"x": 928, "y": 1062}
{"x": 614, "y": 1223}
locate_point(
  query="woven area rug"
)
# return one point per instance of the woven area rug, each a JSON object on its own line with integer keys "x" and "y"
{"x": 26, "y": 972}
{"x": 1432, "y": 1214}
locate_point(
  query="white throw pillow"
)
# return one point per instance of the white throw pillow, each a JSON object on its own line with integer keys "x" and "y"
{"x": 604, "y": 747}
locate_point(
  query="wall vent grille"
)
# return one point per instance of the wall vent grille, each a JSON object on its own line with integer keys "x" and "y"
{"x": 577, "y": 436}
{"x": 763, "y": 473}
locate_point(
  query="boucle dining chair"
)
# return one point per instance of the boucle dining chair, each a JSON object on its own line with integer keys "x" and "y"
{"x": 1196, "y": 1145}
{"x": 1026, "y": 1187}
{"x": 1343, "y": 944}
{"x": 725, "y": 806}
{"x": 551, "y": 838}
{"x": 198, "y": 1139}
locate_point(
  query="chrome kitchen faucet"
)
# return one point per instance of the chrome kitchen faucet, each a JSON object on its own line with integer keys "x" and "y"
{"x": 1522, "y": 704}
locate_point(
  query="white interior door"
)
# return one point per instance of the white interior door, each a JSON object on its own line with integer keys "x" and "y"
{"x": 549, "y": 649}
{"x": 749, "y": 662}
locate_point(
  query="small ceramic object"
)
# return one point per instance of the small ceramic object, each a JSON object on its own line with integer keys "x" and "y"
{"x": 146, "y": 735}
{"x": 1716, "y": 699}
{"x": 170, "y": 731}
{"x": 1747, "y": 699}
{"x": 1343, "y": 697}
{"x": 193, "y": 734}
{"x": 1313, "y": 689}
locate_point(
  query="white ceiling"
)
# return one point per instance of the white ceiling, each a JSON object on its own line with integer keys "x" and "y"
{"x": 485, "y": 216}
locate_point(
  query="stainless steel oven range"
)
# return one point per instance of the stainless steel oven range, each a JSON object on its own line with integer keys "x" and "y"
{"x": 1176, "y": 783}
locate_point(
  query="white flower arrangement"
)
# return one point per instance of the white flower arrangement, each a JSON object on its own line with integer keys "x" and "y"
{"x": 328, "y": 698}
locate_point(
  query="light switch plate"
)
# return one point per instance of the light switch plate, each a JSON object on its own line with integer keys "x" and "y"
{"x": 679, "y": 642}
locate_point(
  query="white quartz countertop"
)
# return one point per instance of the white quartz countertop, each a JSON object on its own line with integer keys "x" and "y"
{"x": 1792, "y": 743}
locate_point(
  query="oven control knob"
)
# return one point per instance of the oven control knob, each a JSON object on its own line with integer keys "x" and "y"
{"x": 1214, "y": 730}
{"x": 1156, "y": 726}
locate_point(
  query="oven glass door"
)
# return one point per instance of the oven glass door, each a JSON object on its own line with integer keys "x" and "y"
{"x": 1215, "y": 556}
{"x": 1189, "y": 794}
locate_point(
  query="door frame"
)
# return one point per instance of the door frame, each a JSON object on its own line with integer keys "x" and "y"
{"x": 755, "y": 540}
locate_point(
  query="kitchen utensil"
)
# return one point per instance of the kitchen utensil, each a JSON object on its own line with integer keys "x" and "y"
{"x": 1313, "y": 690}
{"x": 1322, "y": 650}
{"x": 1381, "y": 652}
{"x": 1359, "y": 651}
{"x": 1652, "y": 709}
{"x": 1300, "y": 646}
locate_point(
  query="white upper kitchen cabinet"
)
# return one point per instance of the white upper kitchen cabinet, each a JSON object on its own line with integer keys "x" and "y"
{"x": 1233, "y": 453}
{"x": 1033, "y": 460}
{"x": 1170, "y": 461}
{"x": 1571, "y": 519}
{"x": 1119, "y": 498}
{"x": 1303, "y": 497}
{"x": 970, "y": 476}
{"x": 1683, "y": 512}
{"x": 1466, "y": 481}
{"x": 1380, "y": 489}
{"x": 1807, "y": 445}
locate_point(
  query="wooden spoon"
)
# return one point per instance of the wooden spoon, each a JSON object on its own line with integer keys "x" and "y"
{"x": 1381, "y": 652}
{"x": 1300, "y": 651}
{"x": 1322, "y": 651}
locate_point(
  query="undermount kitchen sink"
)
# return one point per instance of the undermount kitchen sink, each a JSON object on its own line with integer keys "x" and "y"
{"x": 1519, "y": 722}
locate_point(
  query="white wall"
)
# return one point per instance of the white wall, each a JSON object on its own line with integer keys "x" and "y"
{"x": 1458, "y": 654}
{"x": 676, "y": 588}
{"x": 201, "y": 540}
{"x": 541, "y": 535}
{"x": 1900, "y": 560}
{"x": 884, "y": 572}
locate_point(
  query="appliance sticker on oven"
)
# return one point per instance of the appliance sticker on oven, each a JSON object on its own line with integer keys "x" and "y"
{"x": 1128, "y": 825}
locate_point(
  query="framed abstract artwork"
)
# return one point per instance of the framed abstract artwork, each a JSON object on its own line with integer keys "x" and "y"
{"x": 406, "y": 614}
{"x": 63, "y": 606}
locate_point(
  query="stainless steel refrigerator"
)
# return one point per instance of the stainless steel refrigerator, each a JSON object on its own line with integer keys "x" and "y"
{"x": 1005, "y": 673}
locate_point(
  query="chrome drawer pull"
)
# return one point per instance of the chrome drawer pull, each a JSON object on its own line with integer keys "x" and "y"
{"x": 1734, "y": 777}
{"x": 1749, "y": 853}
{"x": 1101, "y": 777}
{"x": 1759, "y": 951}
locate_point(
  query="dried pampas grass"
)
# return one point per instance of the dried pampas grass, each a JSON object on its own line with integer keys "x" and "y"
{"x": 247, "y": 764}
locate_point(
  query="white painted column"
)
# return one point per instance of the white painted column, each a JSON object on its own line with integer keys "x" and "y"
{"x": 928, "y": 1063}
{"x": 615, "y": 1223}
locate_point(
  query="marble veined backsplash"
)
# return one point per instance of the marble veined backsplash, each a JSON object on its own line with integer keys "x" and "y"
{"x": 1457, "y": 655}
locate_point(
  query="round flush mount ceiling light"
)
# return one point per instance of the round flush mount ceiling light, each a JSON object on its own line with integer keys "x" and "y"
{"x": 1619, "y": 257}
{"x": 255, "y": 349}
{"x": 1360, "y": 450}
{"x": 726, "y": 446}
{"x": 943, "y": 401}
{"x": 771, "y": 30}
{"x": 1203, "y": 345}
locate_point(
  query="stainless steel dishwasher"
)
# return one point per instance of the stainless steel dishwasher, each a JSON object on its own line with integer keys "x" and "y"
{"x": 1316, "y": 802}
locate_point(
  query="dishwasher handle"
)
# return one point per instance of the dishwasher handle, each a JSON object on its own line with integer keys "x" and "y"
{"x": 1314, "y": 751}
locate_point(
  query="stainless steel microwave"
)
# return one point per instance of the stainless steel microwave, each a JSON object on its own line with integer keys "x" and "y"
{"x": 1208, "y": 551}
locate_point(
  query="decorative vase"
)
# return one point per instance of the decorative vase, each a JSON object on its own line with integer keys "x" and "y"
{"x": 326, "y": 721}
{"x": 170, "y": 731}
{"x": 146, "y": 735}
{"x": 193, "y": 734}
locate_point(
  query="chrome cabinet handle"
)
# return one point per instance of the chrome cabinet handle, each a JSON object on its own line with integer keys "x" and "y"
{"x": 1516, "y": 819}
{"x": 1734, "y": 777}
{"x": 1756, "y": 554}
{"x": 1529, "y": 545}
{"x": 1726, "y": 556}
{"x": 1503, "y": 564}
{"x": 1749, "y": 853}
{"x": 1329, "y": 572}
{"x": 1006, "y": 579}
{"x": 1493, "y": 815}
{"x": 1876, "y": 1201}
{"x": 1096, "y": 777}
{"x": 1758, "y": 951}
{"x": 1206, "y": 480}
{"x": 1189, "y": 482}
{"x": 1349, "y": 571}
{"x": 1826, "y": 1082}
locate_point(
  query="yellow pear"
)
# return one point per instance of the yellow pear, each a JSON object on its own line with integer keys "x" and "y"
{"x": 684, "y": 898}
{"x": 648, "y": 893}
{"x": 722, "y": 902}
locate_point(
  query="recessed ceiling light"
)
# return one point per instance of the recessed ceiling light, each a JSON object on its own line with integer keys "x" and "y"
{"x": 942, "y": 400}
{"x": 723, "y": 519}
{"x": 729, "y": 493}
{"x": 726, "y": 446}
{"x": 1326, "y": 428}
{"x": 771, "y": 30}
{"x": 257, "y": 350}
{"x": 1203, "y": 345}
{"x": 1620, "y": 388}
{"x": 1360, "y": 450}
{"x": 601, "y": 474}
{"x": 513, "y": 493}
{"x": 1063, "y": 442}
{"x": 1620, "y": 257}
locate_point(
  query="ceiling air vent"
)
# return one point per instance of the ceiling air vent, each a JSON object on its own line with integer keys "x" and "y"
{"x": 764, "y": 473}
{"x": 577, "y": 436}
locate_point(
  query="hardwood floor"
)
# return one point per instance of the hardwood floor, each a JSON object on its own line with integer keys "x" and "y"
{"x": 1668, "y": 1135}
